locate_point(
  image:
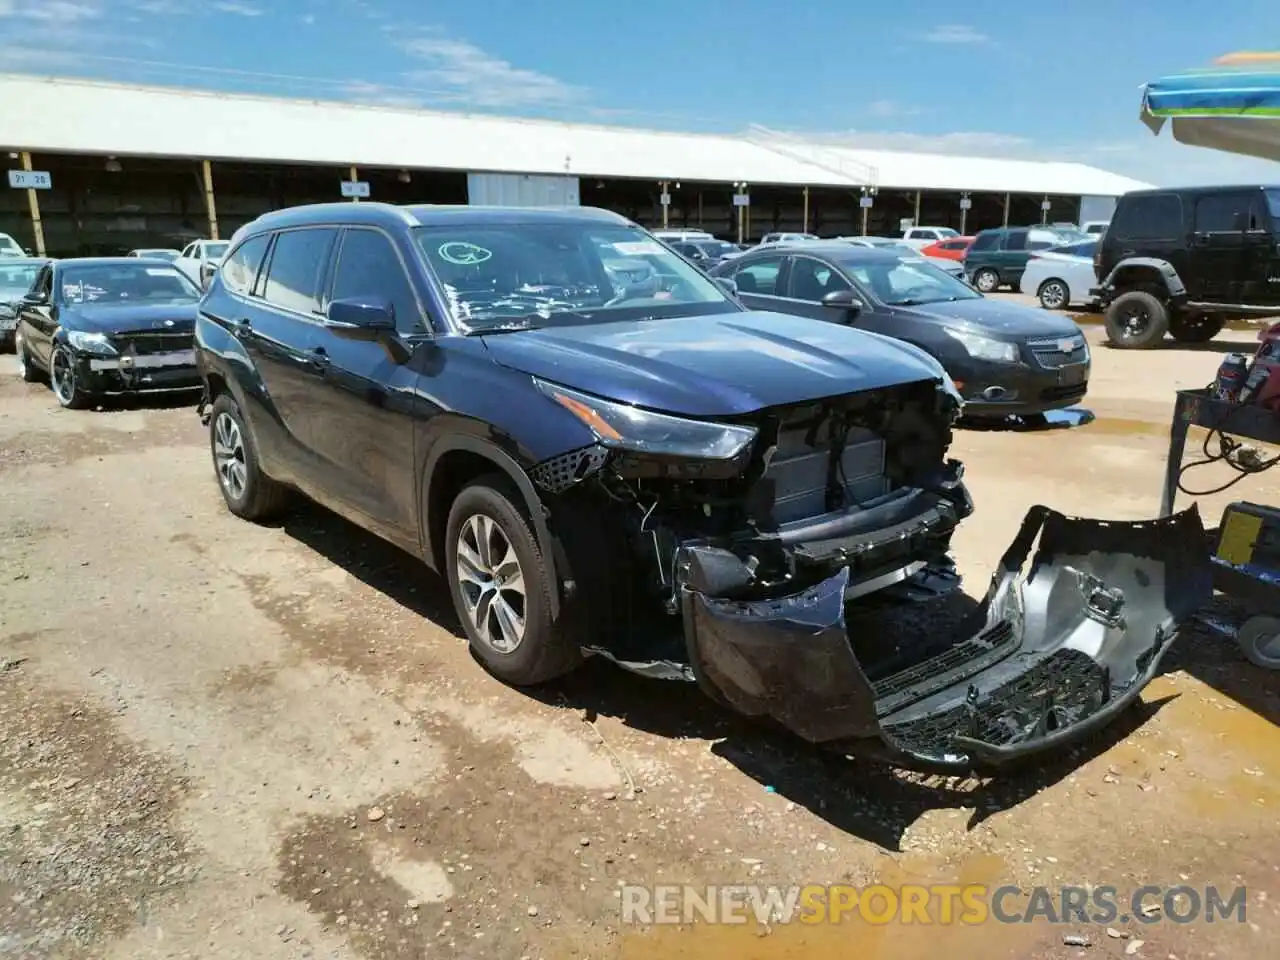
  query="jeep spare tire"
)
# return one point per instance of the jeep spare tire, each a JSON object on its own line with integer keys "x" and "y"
{"x": 1137, "y": 320}
{"x": 1195, "y": 329}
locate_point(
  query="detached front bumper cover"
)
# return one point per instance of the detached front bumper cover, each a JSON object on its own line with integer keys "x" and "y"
{"x": 1061, "y": 650}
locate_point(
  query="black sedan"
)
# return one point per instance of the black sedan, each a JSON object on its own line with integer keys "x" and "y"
{"x": 706, "y": 254}
{"x": 108, "y": 325}
{"x": 1005, "y": 359}
{"x": 17, "y": 274}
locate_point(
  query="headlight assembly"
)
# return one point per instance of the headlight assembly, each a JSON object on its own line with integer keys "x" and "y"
{"x": 625, "y": 427}
{"x": 984, "y": 348}
{"x": 95, "y": 343}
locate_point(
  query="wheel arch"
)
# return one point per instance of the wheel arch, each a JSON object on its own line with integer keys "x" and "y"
{"x": 452, "y": 464}
{"x": 1144, "y": 272}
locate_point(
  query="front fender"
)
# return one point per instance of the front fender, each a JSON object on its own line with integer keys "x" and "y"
{"x": 506, "y": 464}
{"x": 1163, "y": 270}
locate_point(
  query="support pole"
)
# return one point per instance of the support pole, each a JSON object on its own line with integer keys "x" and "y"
{"x": 209, "y": 205}
{"x": 805, "y": 229}
{"x": 355, "y": 175}
{"x": 964, "y": 215}
{"x": 1007, "y": 200}
{"x": 33, "y": 201}
{"x": 699, "y": 208}
{"x": 916, "y": 221}
{"x": 1044, "y": 209}
{"x": 666, "y": 207}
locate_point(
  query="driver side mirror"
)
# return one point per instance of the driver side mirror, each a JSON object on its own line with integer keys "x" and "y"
{"x": 728, "y": 285}
{"x": 845, "y": 300}
{"x": 363, "y": 318}
{"x": 34, "y": 299}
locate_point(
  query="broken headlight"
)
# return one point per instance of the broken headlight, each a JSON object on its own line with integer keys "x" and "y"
{"x": 94, "y": 343}
{"x": 625, "y": 427}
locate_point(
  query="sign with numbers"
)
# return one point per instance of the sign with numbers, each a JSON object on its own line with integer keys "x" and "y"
{"x": 30, "y": 180}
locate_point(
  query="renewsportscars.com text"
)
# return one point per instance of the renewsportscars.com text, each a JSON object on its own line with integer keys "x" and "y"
{"x": 970, "y": 904}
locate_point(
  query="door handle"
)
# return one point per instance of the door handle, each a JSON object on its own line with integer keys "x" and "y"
{"x": 243, "y": 328}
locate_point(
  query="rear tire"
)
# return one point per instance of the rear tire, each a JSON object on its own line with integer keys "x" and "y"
{"x": 1196, "y": 329}
{"x": 1054, "y": 295}
{"x": 1137, "y": 320}
{"x": 26, "y": 370}
{"x": 500, "y": 587}
{"x": 986, "y": 280}
{"x": 249, "y": 493}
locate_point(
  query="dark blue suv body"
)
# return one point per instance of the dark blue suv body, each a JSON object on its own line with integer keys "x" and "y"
{"x": 601, "y": 449}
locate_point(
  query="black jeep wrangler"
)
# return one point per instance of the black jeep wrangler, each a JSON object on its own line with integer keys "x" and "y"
{"x": 1187, "y": 260}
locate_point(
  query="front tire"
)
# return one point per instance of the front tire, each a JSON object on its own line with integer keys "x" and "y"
{"x": 249, "y": 493}
{"x": 500, "y": 587}
{"x": 1137, "y": 320}
{"x": 986, "y": 280}
{"x": 1196, "y": 329}
{"x": 65, "y": 381}
{"x": 1054, "y": 295}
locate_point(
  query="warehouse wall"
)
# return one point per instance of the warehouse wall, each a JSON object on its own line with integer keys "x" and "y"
{"x": 521, "y": 190}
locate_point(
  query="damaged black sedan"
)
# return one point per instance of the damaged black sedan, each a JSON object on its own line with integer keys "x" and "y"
{"x": 655, "y": 474}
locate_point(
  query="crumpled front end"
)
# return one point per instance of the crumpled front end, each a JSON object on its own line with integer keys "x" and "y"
{"x": 1063, "y": 646}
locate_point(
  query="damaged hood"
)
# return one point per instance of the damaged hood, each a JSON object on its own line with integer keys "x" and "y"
{"x": 714, "y": 366}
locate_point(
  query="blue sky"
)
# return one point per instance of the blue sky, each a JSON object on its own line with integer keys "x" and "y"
{"x": 983, "y": 77}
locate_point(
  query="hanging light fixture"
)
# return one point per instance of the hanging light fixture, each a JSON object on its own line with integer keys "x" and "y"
{"x": 113, "y": 165}
{"x": 403, "y": 176}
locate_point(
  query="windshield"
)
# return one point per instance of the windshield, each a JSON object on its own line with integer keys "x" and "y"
{"x": 215, "y": 250}
{"x": 716, "y": 248}
{"x": 126, "y": 283}
{"x": 16, "y": 278}
{"x": 521, "y": 275}
{"x": 9, "y": 247}
{"x": 946, "y": 233}
{"x": 909, "y": 281}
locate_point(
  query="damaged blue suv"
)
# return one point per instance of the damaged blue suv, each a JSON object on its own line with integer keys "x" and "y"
{"x": 605, "y": 453}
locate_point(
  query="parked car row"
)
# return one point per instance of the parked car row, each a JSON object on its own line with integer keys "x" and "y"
{"x": 605, "y": 451}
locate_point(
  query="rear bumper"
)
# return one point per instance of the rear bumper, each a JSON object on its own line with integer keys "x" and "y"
{"x": 1057, "y": 652}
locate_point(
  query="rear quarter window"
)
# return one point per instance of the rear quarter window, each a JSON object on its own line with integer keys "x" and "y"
{"x": 1154, "y": 217}
{"x": 986, "y": 241}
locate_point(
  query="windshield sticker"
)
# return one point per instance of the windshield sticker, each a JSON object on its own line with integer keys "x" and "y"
{"x": 462, "y": 253}
{"x": 158, "y": 272}
{"x": 639, "y": 248}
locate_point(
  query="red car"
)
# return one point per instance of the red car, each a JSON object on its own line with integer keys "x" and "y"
{"x": 952, "y": 248}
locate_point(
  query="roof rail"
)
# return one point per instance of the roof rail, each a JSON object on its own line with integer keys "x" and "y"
{"x": 794, "y": 148}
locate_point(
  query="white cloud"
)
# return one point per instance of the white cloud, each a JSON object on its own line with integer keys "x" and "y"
{"x": 955, "y": 33}
{"x": 891, "y": 108}
{"x": 473, "y": 76}
{"x": 308, "y": 19}
{"x": 49, "y": 11}
{"x": 238, "y": 9}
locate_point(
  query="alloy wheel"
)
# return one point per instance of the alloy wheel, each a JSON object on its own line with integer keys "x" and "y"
{"x": 492, "y": 583}
{"x": 62, "y": 376}
{"x": 986, "y": 281}
{"x": 1053, "y": 296}
{"x": 228, "y": 455}
{"x": 1134, "y": 320}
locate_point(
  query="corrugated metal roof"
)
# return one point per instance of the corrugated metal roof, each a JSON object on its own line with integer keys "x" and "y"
{"x": 80, "y": 116}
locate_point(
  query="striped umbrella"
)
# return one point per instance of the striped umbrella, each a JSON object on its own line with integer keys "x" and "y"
{"x": 1233, "y": 105}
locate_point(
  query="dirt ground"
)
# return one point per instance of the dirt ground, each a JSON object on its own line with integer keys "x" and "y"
{"x": 223, "y": 740}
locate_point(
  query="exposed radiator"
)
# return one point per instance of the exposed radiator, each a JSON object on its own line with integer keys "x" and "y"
{"x": 799, "y": 472}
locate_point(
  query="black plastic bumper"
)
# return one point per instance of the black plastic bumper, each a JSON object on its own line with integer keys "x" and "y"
{"x": 105, "y": 376}
{"x": 1063, "y": 648}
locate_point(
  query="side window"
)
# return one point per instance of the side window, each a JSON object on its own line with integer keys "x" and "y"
{"x": 241, "y": 268}
{"x": 812, "y": 280}
{"x": 1154, "y": 217}
{"x": 1015, "y": 241}
{"x": 186, "y": 252}
{"x": 297, "y": 265}
{"x": 987, "y": 240}
{"x": 759, "y": 276}
{"x": 368, "y": 266}
{"x": 1223, "y": 213}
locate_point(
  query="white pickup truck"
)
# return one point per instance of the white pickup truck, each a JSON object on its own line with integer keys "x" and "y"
{"x": 919, "y": 237}
{"x": 200, "y": 258}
